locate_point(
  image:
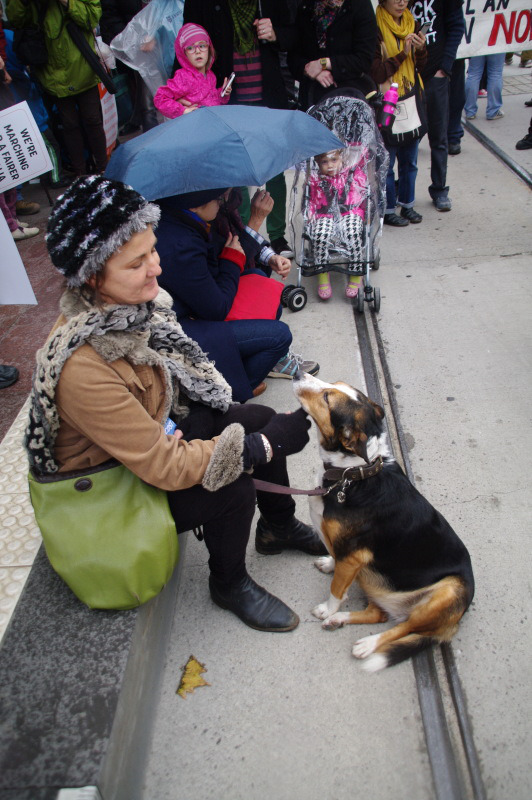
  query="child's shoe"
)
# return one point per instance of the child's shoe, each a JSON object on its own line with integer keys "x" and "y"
{"x": 353, "y": 285}
{"x": 324, "y": 286}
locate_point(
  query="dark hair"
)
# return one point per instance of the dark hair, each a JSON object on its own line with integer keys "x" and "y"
{"x": 228, "y": 219}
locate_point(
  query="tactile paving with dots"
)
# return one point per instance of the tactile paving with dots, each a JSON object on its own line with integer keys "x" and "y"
{"x": 19, "y": 535}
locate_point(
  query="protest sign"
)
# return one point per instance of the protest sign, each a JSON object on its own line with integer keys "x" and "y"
{"x": 110, "y": 118}
{"x": 496, "y": 26}
{"x": 23, "y": 154}
{"x": 491, "y": 26}
{"x": 15, "y": 288}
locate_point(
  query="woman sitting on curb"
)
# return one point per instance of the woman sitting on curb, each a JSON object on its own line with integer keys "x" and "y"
{"x": 118, "y": 364}
{"x": 202, "y": 273}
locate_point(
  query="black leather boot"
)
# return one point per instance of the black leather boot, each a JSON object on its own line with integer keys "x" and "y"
{"x": 254, "y": 605}
{"x": 274, "y": 537}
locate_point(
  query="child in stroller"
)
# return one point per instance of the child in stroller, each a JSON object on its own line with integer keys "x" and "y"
{"x": 335, "y": 216}
{"x": 342, "y": 201}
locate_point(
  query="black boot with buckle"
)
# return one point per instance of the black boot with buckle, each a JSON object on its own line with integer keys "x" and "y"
{"x": 274, "y": 537}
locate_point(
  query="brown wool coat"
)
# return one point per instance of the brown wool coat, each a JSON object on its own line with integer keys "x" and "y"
{"x": 115, "y": 410}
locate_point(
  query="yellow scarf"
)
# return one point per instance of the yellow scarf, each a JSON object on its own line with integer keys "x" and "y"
{"x": 394, "y": 34}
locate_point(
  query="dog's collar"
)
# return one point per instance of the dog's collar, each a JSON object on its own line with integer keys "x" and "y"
{"x": 343, "y": 477}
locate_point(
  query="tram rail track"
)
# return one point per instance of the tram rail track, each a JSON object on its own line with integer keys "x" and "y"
{"x": 447, "y": 726}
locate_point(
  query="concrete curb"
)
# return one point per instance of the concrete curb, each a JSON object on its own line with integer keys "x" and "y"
{"x": 78, "y": 687}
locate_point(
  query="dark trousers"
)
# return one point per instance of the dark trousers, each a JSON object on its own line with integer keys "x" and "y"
{"x": 437, "y": 99}
{"x": 455, "y": 130}
{"x": 83, "y": 112}
{"x": 226, "y": 515}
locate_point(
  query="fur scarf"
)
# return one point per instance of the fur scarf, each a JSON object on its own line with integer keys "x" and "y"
{"x": 142, "y": 334}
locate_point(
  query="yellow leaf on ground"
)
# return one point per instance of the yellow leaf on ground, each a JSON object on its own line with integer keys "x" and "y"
{"x": 191, "y": 677}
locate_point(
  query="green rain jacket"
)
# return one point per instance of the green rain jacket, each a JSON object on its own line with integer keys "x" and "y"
{"x": 66, "y": 73}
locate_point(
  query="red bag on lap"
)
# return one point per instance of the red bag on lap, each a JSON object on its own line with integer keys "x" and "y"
{"x": 258, "y": 297}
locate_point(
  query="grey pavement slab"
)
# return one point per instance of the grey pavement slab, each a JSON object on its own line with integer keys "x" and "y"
{"x": 506, "y": 132}
{"x": 292, "y": 716}
{"x": 286, "y": 716}
{"x": 456, "y": 327}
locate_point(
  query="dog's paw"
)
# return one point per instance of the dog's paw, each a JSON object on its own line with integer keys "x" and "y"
{"x": 366, "y": 646}
{"x": 375, "y": 663}
{"x": 334, "y": 621}
{"x": 322, "y": 611}
{"x": 325, "y": 564}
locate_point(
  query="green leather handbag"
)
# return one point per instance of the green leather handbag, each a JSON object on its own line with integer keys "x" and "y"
{"x": 109, "y": 535}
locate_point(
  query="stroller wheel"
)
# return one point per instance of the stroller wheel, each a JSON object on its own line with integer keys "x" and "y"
{"x": 377, "y": 261}
{"x": 376, "y": 299}
{"x": 286, "y": 293}
{"x": 297, "y": 299}
{"x": 359, "y": 302}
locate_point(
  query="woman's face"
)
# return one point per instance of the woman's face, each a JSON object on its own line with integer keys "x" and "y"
{"x": 209, "y": 211}
{"x": 130, "y": 275}
{"x": 395, "y": 7}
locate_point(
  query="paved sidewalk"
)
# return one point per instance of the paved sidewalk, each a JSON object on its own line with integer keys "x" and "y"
{"x": 319, "y": 334}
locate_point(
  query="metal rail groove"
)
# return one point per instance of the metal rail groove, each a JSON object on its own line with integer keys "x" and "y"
{"x": 490, "y": 145}
{"x": 451, "y": 749}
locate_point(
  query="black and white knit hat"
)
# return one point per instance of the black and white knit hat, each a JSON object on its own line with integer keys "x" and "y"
{"x": 90, "y": 221}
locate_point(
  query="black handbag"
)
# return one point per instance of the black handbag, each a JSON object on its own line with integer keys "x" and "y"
{"x": 29, "y": 43}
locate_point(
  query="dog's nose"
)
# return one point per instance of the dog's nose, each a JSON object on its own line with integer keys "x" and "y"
{"x": 299, "y": 374}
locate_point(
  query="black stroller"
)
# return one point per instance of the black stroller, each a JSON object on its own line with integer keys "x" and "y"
{"x": 339, "y": 217}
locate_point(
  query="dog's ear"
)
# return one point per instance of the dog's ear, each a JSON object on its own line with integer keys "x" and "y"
{"x": 356, "y": 441}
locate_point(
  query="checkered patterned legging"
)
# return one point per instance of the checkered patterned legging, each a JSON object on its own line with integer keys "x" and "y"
{"x": 348, "y": 230}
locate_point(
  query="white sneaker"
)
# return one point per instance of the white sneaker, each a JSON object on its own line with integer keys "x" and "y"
{"x": 24, "y": 232}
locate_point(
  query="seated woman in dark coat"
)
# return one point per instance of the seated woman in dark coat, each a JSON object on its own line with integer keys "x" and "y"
{"x": 202, "y": 272}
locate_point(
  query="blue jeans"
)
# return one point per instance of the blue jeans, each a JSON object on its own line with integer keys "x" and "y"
{"x": 407, "y": 169}
{"x": 261, "y": 343}
{"x": 437, "y": 99}
{"x": 494, "y": 64}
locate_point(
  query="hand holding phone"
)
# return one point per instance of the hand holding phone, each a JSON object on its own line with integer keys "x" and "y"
{"x": 424, "y": 28}
{"x": 228, "y": 84}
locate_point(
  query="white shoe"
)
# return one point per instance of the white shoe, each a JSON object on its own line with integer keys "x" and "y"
{"x": 24, "y": 233}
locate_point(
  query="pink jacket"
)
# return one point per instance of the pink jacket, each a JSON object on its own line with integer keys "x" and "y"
{"x": 189, "y": 83}
{"x": 348, "y": 188}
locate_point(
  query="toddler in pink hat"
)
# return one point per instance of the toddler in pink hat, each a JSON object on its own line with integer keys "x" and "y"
{"x": 194, "y": 85}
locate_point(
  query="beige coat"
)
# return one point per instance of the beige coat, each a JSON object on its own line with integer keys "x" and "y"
{"x": 114, "y": 410}
{"x": 111, "y": 400}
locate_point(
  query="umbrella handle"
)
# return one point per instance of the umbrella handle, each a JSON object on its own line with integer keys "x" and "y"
{"x": 259, "y": 11}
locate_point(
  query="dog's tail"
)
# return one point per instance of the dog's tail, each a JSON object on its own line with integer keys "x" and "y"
{"x": 397, "y": 651}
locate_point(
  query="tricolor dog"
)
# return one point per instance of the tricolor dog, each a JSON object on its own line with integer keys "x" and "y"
{"x": 381, "y": 532}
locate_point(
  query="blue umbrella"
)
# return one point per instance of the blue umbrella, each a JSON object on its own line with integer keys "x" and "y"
{"x": 218, "y": 146}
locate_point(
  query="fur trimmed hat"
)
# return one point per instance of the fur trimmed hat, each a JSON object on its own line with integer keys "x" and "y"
{"x": 90, "y": 221}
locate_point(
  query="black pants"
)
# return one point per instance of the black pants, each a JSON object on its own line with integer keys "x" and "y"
{"x": 83, "y": 113}
{"x": 437, "y": 98}
{"x": 455, "y": 130}
{"x": 226, "y": 515}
